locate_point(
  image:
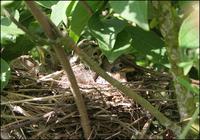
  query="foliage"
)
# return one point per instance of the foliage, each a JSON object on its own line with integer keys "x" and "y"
{"x": 134, "y": 11}
{"x": 189, "y": 42}
{"x": 124, "y": 29}
{"x": 83, "y": 17}
{"x": 7, "y": 28}
{"x": 5, "y": 73}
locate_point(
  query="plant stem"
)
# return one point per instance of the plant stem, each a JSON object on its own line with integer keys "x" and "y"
{"x": 53, "y": 33}
{"x": 169, "y": 28}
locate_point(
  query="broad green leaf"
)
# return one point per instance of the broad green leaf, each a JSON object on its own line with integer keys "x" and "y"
{"x": 149, "y": 45}
{"x": 122, "y": 46}
{"x": 71, "y": 8}
{"x": 115, "y": 42}
{"x": 145, "y": 41}
{"x": 187, "y": 85}
{"x": 46, "y": 4}
{"x": 3, "y": 3}
{"x": 58, "y": 13}
{"x": 8, "y": 29}
{"x": 5, "y": 73}
{"x": 189, "y": 31}
{"x": 80, "y": 18}
{"x": 186, "y": 66}
{"x": 134, "y": 11}
{"x": 21, "y": 46}
{"x": 105, "y": 31}
{"x": 11, "y": 5}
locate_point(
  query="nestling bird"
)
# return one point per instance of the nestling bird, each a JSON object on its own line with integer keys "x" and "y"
{"x": 118, "y": 69}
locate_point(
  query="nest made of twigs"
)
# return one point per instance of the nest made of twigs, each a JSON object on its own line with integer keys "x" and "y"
{"x": 45, "y": 109}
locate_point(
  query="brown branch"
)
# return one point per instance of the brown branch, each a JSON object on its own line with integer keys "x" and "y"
{"x": 26, "y": 121}
{"x": 32, "y": 36}
{"x": 53, "y": 33}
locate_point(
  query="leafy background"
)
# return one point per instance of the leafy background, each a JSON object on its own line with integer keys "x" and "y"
{"x": 119, "y": 27}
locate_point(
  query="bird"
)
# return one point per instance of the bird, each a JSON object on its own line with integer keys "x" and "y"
{"x": 119, "y": 69}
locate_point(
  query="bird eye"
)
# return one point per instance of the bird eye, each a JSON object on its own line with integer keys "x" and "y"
{"x": 61, "y": 29}
{"x": 95, "y": 53}
{"x": 121, "y": 65}
{"x": 48, "y": 56}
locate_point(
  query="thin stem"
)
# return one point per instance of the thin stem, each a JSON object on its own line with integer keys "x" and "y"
{"x": 53, "y": 33}
{"x": 33, "y": 37}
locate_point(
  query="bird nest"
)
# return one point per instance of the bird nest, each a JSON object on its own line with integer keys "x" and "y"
{"x": 39, "y": 105}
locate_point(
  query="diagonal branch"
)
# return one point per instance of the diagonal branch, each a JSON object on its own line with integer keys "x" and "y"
{"x": 53, "y": 33}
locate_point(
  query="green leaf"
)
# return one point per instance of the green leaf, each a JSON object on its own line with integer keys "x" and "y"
{"x": 4, "y": 3}
{"x": 71, "y": 8}
{"x": 145, "y": 41}
{"x": 189, "y": 31}
{"x": 8, "y": 29}
{"x": 5, "y": 73}
{"x": 105, "y": 31}
{"x": 187, "y": 85}
{"x": 135, "y": 11}
{"x": 80, "y": 18}
{"x": 13, "y": 50}
{"x": 11, "y": 5}
{"x": 186, "y": 66}
{"x": 46, "y": 4}
{"x": 148, "y": 45}
{"x": 58, "y": 13}
{"x": 115, "y": 39}
{"x": 159, "y": 57}
{"x": 122, "y": 46}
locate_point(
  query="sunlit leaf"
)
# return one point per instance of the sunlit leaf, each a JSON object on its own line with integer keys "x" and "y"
{"x": 71, "y": 8}
{"x": 80, "y": 18}
{"x": 5, "y": 73}
{"x": 122, "y": 46}
{"x": 46, "y": 4}
{"x": 189, "y": 31}
{"x": 8, "y": 29}
{"x": 106, "y": 31}
{"x": 3, "y": 3}
{"x": 186, "y": 66}
{"x": 135, "y": 11}
{"x": 58, "y": 13}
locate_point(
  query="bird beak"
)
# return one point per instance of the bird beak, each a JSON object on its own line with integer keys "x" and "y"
{"x": 126, "y": 69}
